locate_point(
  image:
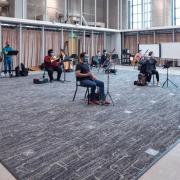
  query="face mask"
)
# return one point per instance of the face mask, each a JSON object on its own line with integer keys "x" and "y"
{"x": 85, "y": 59}
{"x": 52, "y": 54}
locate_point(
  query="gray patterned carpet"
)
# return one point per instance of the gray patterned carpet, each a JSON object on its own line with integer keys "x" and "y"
{"x": 46, "y": 136}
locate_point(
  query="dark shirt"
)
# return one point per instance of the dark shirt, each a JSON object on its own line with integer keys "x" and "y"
{"x": 84, "y": 69}
{"x": 103, "y": 59}
{"x": 151, "y": 64}
{"x": 143, "y": 65}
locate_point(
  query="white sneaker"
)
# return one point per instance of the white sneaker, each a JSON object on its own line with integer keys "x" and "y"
{"x": 158, "y": 85}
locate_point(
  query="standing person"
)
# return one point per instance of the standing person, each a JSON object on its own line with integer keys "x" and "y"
{"x": 151, "y": 68}
{"x": 52, "y": 64}
{"x": 7, "y": 59}
{"x": 86, "y": 78}
{"x": 137, "y": 58}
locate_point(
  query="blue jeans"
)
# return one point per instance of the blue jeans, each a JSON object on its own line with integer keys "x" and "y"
{"x": 7, "y": 65}
{"x": 93, "y": 84}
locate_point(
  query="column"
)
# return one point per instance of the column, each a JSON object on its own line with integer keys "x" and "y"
{"x": 95, "y": 15}
{"x": 20, "y": 44}
{"x": 84, "y": 41}
{"x": 62, "y": 38}
{"x": 107, "y": 8}
{"x": 104, "y": 40}
{"x": 92, "y": 43}
{"x": 42, "y": 44}
{"x": 20, "y": 9}
{"x": 81, "y": 11}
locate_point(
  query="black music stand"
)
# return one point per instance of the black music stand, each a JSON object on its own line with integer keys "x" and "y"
{"x": 12, "y": 53}
{"x": 108, "y": 93}
{"x": 66, "y": 59}
{"x": 167, "y": 66}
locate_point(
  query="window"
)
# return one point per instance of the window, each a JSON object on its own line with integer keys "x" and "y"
{"x": 177, "y": 12}
{"x": 140, "y": 14}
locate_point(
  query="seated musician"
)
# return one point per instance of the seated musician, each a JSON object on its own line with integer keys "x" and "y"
{"x": 94, "y": 61}
{"x": 52, "y": 64}
{"x": 151, "y": 68}
{"x": 88, "y": 79}
{"x": 137, "y": 58}
{"x": 103, "y": 57}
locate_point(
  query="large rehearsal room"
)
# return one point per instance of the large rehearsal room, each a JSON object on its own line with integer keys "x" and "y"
{"x": 89, "y": 89}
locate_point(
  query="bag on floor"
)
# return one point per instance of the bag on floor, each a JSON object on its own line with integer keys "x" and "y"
{"x": 141, "y": 80}
{"x": 17, "y": 71}
{"x": 24, "y": 71}
{"x": 40, "y": 81}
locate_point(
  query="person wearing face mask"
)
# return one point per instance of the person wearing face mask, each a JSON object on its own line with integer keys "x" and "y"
{"x": 88, "y": 79}
{"x": 7, "y": 59}
{"x": 52, "y": 64}
{"x": 151, "y": 68}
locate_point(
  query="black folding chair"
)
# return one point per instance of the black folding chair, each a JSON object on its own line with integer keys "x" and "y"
{"x": 79, "y": 85}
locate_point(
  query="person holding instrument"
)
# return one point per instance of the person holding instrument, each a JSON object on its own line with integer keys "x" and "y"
{"x": 7, "y": 59}
{"x": 52, "y": 64}
{"x": 151, "y": 68}
{"x": 137, "y": 58}
{"x": 87, "y": 79}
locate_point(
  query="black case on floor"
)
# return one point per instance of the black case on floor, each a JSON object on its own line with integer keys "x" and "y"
{"x": 40, "y": 81}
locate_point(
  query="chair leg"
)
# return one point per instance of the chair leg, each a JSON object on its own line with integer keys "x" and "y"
{"x": 88, "y": 94}
{"x": 153, "y": 81}
{"x": 44, "y": 74}
{"x": 75, "y": 93}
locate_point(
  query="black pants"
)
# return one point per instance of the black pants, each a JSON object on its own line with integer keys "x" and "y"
{"x": 50, "y": 71}
{"x": 149, "y": 75}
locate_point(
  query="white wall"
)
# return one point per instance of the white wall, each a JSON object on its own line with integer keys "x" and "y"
{"x": 114, "y": 41}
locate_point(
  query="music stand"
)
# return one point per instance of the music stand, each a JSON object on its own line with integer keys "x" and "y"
{"x": 167, "y": 66}
{"x": 66, "y": 59}
{"x": 108, "y": 93}
{"x": 12, "y": 53}
{"x": 75, "y": 59}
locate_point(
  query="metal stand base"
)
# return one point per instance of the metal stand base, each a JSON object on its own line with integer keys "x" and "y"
{"x": 168, "y": 80}
{"x": 108, "y": 93}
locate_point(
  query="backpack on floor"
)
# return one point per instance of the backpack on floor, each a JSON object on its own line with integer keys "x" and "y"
{"x": 141, "y": 80}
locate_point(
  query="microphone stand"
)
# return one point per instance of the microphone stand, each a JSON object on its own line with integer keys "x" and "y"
{"x": 108, "y": 92}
